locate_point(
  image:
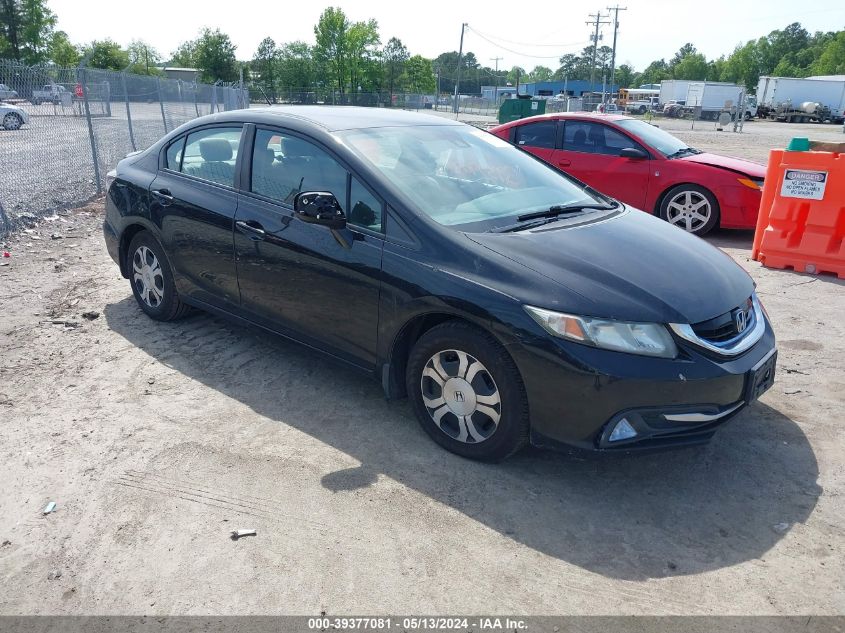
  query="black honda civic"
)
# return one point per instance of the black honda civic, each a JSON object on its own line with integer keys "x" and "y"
{"x": 508, "y": 301}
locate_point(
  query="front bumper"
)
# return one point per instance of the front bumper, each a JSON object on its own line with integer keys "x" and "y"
{"x": 577, "y": 394}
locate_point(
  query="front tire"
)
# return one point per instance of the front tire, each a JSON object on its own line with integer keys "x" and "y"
{"x": 12, "y": 121}
{"x": 691, "y": 208}
{"x": 467, "y": 393}
{"x": 152, "y": 279}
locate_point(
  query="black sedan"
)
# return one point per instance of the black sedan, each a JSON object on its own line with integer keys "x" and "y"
{"x": 510, "y": 302}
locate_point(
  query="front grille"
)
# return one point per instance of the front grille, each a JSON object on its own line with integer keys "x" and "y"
{"x": 724, "y": 327}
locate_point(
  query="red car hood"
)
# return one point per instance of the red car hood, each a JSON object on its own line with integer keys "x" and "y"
{"x": 753, "y": 170}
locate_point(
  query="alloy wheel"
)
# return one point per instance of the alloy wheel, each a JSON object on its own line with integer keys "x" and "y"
{"x": 461, "y": 396}
{"x": 11, "y": 121}
{"x": 148, "y": 277}
{"x": 689, "y": 210}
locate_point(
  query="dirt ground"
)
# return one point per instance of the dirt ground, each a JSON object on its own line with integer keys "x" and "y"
{"x": 156, "y": 440}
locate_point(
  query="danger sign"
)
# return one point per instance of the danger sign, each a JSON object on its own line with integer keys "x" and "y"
{"x": 801, "y": 183}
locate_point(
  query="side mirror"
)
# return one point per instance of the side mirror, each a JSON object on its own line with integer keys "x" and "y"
{"x": 319, "y": 207}
{"x": 633, "y": 152}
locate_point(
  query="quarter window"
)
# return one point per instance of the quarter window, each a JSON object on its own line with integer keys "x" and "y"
{"x": 284, "y": 165}
{"x": 174, "y": 154}
{"x": 595, "y": 138}
{"x": 210, "y": 154}
{"x": 539, "y": 134}
{"x": 364, "y": 207}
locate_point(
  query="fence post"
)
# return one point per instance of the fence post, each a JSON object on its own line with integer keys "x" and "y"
{"x": 84, "y": 83}
{"x": 128, "y": 113}
{"x": 7, "y": 224}
{"x": 161, "y": 103}
{"x": 196, "y": 98}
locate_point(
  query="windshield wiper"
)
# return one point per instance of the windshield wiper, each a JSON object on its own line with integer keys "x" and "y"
{"x": 549, "y": 215}
{"x": 563, "y": 209}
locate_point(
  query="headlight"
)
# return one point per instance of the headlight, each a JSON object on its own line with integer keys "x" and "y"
{"x": 648, "y": 339}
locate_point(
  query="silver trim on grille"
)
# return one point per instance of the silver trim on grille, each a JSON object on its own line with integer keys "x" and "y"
{"x": 734, "y": 346}
{"x": 701, "y": 417}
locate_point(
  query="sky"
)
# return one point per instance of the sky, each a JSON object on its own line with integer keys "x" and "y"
{"x": 648, "y": 29}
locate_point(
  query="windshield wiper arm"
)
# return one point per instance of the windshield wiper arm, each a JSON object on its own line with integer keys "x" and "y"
{"x": 683, "y": 151}
{"x": 562, "y": 209}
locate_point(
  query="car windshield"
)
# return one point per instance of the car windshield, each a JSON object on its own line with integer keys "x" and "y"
{"x": 653, "y": 136}
{"x": 463, "y": 177}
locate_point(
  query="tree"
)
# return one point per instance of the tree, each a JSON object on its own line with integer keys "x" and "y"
{"x": 517, "y": 73}
{"x": 61, "y": 51}
{"x": 265, "y": 65}
{"x": 540, "y": 73}
{"x": 330, "y": 50}
{"x": 106, "y": 54}
{"x": 691, "y": 66}
{"x": 26, "y": 29}
{"x": 143, "y": 58}
{"x": 214, "y": 55}
{"x": 185, "y": 55}
{"x": 363, "y": 57}
{"x": 296, "y": 67}
{"x": 420, "y": 75}
{"x": 395, "y": 56}
{"x": 655, "y": 72}
{"x": 625, "y": 76}
{"x": 686, "y": 49}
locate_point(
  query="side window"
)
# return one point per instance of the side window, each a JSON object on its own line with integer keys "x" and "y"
{"x": 173, "y": 157}
{"x": 284, "y": 165}
{"x": 539, "y": 134}
{"x": 210, "y": 154}
{"x": 364, "y": 208}
{"x": 595, "y": 138}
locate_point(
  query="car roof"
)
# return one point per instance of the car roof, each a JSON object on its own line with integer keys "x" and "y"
{"x": 336, "y": 118}
{"x": 586, "y": 116}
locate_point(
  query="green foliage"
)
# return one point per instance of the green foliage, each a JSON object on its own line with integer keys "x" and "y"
{"x": 143, "y": 58}
{"x": 297, "y": 70}
{"x": 625, "y": 76}
{"x": 691, "y": 66}
{"x": 540, "y": 73}
{"x": 346, "y": 52}
{"x": 61, "y": 51}
{"x": 106, "y": 54}
{"x": 419, "y": 75}
{"x": 214, "y": 56}
{"x": 26, "y": 30}
{"x": 265, "y": 67}
{"x": 395, "y": 56}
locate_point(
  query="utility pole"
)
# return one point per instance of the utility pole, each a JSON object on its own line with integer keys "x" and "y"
{"x": 458, "y": 74}
{"x": 496, "y": 76}
{"x": 598, "y": 22}
{"x": 616, "y": 11}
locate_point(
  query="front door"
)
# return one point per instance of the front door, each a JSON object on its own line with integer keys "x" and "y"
{"x": 316, "y": 284}
{"x": 590, "y": 152}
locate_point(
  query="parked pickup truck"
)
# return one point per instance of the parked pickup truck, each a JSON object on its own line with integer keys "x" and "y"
{"x": 7, "y": 93}
{"x": 51, "y": 93}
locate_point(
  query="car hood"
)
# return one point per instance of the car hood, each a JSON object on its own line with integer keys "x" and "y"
{"x": 631, "y": 267}
{"x": 754, "y": 170}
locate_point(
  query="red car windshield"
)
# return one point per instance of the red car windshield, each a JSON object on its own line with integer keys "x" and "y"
{"x": 653, "y": 136}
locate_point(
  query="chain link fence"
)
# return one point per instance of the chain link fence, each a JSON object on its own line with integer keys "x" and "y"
{"x": 79, "y": 122}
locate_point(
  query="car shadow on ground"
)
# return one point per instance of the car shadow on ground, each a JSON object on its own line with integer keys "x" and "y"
{"x": 638, "y": 517}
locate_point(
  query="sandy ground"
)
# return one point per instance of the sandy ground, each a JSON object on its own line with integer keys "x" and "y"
{"x": 156, "y": 440}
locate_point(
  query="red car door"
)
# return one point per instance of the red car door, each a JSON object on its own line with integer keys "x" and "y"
{"x": 538, "y": 137}
{"x": 590, "y": 151}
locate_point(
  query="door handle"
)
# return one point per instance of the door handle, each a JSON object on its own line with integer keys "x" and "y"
{"x": 163, "y": 196}
{"x": 564, "y": 163}
{"x": 253, "y": 231}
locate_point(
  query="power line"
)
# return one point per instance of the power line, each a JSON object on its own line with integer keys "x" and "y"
{"x": 521, "y": 54}
{"x": 531, "y": 44}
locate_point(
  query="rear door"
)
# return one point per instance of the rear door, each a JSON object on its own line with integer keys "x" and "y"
{"x": 316, "y": 284}
{"x": 193, "y": 200}
{"x": 590, "y": 152}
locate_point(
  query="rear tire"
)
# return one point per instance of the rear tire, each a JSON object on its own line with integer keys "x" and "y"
{"x": 467, "y": 393}
{"x": 151, "y": 279}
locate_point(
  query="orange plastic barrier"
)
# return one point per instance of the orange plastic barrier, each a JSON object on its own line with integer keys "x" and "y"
{"x": 801, "y": 224}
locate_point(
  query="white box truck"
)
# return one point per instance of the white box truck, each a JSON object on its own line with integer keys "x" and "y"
{"x": 673, "y": 91}
{"x": 781, "y": 96}
{"x": 713, "y": 97}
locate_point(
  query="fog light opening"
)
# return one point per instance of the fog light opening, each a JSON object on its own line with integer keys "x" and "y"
{"x": 622, "y": 431}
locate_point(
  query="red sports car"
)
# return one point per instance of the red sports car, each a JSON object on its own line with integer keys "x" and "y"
{"x": 645, "y": 167}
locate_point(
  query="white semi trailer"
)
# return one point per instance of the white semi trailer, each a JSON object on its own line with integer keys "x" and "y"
{"x": 790, "y": 95}
{"x": 709, "y": 98}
